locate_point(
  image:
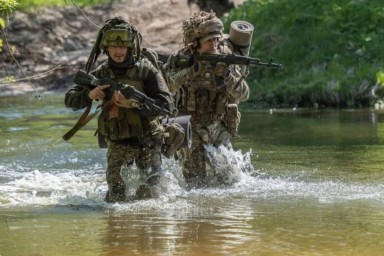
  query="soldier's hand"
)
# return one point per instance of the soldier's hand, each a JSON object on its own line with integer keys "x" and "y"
{"x": 221, "y": 69}
{"x": 123, "y": 102}
{"x": 98, "y": 93}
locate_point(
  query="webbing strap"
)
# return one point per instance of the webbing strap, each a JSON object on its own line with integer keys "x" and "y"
{"x": 83, "y": 120}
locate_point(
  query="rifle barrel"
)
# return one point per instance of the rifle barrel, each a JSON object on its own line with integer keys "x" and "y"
{"x": 237, "y": 60}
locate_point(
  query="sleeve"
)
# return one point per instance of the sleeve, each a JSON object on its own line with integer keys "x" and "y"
{"x": 175, "y": 77}
{"x": 77, "y": 97}
{"x": 156, "y": 88}
{"x": 237, "y": 87}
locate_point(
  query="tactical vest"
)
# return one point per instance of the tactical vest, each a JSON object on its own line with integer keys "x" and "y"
{"x": 206, "y": 96}
{"x": 128, "y": 123}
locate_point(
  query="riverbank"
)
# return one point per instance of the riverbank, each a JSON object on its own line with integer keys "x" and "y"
{"x": 51, "y": 44}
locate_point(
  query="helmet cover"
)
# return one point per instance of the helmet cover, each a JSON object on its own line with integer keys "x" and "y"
{"x": 202, "y": 26}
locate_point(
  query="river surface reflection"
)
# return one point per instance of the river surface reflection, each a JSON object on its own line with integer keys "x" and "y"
{"x": 309, "y": 182}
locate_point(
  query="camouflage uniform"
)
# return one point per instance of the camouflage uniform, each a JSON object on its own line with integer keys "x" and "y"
{"x": 133, "y": 136}
{"x": 210, "y": 100}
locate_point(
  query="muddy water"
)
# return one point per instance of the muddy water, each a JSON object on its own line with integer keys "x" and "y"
{"x": 307, "y": 183}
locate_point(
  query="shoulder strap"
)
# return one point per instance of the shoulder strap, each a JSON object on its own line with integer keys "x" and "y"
{"x": 83, "y": 120}
{"x": 152, "y": 56}
{"x": 102, "y": 70}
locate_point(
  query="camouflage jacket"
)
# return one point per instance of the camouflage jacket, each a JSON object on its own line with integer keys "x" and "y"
{"x": 129, "y": 122}
{"x": 204, "y": 96}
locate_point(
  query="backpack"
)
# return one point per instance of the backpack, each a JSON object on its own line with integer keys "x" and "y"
{"x": 153, "y": 57}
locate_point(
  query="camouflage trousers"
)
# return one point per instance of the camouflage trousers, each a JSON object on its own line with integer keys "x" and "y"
{"x": 196, "y": 165}
{"x": 147, "y": 159}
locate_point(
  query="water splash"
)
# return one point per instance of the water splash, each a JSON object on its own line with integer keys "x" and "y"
{"x": 76, "y": 180}
{"x": 230, "y": 166}
{"x": 42, "y": 188}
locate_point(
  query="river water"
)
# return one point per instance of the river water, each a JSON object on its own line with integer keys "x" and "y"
{"x": 308, "y": 182}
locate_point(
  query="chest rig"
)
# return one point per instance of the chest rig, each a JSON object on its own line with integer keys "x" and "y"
{"x": 118, "y": 123}
{"x": 206, "y": 95}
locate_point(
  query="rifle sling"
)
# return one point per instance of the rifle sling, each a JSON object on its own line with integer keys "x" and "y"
{"x": 83, "y": 120}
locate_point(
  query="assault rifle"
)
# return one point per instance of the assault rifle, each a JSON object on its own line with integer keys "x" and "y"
{"x": 184, "y": 61}
{"x": 83, "y": 78}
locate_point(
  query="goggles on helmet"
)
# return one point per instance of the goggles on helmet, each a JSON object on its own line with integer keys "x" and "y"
{"x": 117, "y": 37}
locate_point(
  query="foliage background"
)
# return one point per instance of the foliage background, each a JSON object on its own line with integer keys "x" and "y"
{"x": 332, "y": 51}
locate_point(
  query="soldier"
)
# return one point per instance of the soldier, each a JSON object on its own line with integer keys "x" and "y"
{"x": 134, "y": 136}
{"x": 209, "y": 92}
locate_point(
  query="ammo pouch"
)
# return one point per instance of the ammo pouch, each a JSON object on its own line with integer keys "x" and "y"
{"x": 232, "y": 119}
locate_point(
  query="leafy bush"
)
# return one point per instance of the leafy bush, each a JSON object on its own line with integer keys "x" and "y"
{"x": 6, "y": 7}
{"x": 332, "y": 51}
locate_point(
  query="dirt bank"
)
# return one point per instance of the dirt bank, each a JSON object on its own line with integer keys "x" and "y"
{"x": 52, "y": 44}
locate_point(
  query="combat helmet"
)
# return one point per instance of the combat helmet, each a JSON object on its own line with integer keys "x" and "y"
{"x": 202, "y": 26}
{"x": 115, "y": 32}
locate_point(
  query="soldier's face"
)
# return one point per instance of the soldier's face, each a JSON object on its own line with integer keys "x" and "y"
{"x": 117, "y": 53}
{"x": 209, "y": 46}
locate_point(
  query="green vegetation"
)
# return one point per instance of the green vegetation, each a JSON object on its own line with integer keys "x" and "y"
{"x": 332, "y": 51}
{"x": 6, "y": 7}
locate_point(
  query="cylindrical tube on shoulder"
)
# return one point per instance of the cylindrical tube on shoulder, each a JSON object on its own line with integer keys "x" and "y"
{"x": 240, "y": 35}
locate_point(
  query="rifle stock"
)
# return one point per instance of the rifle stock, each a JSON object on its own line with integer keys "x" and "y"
{"x": 83, "y": 78}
